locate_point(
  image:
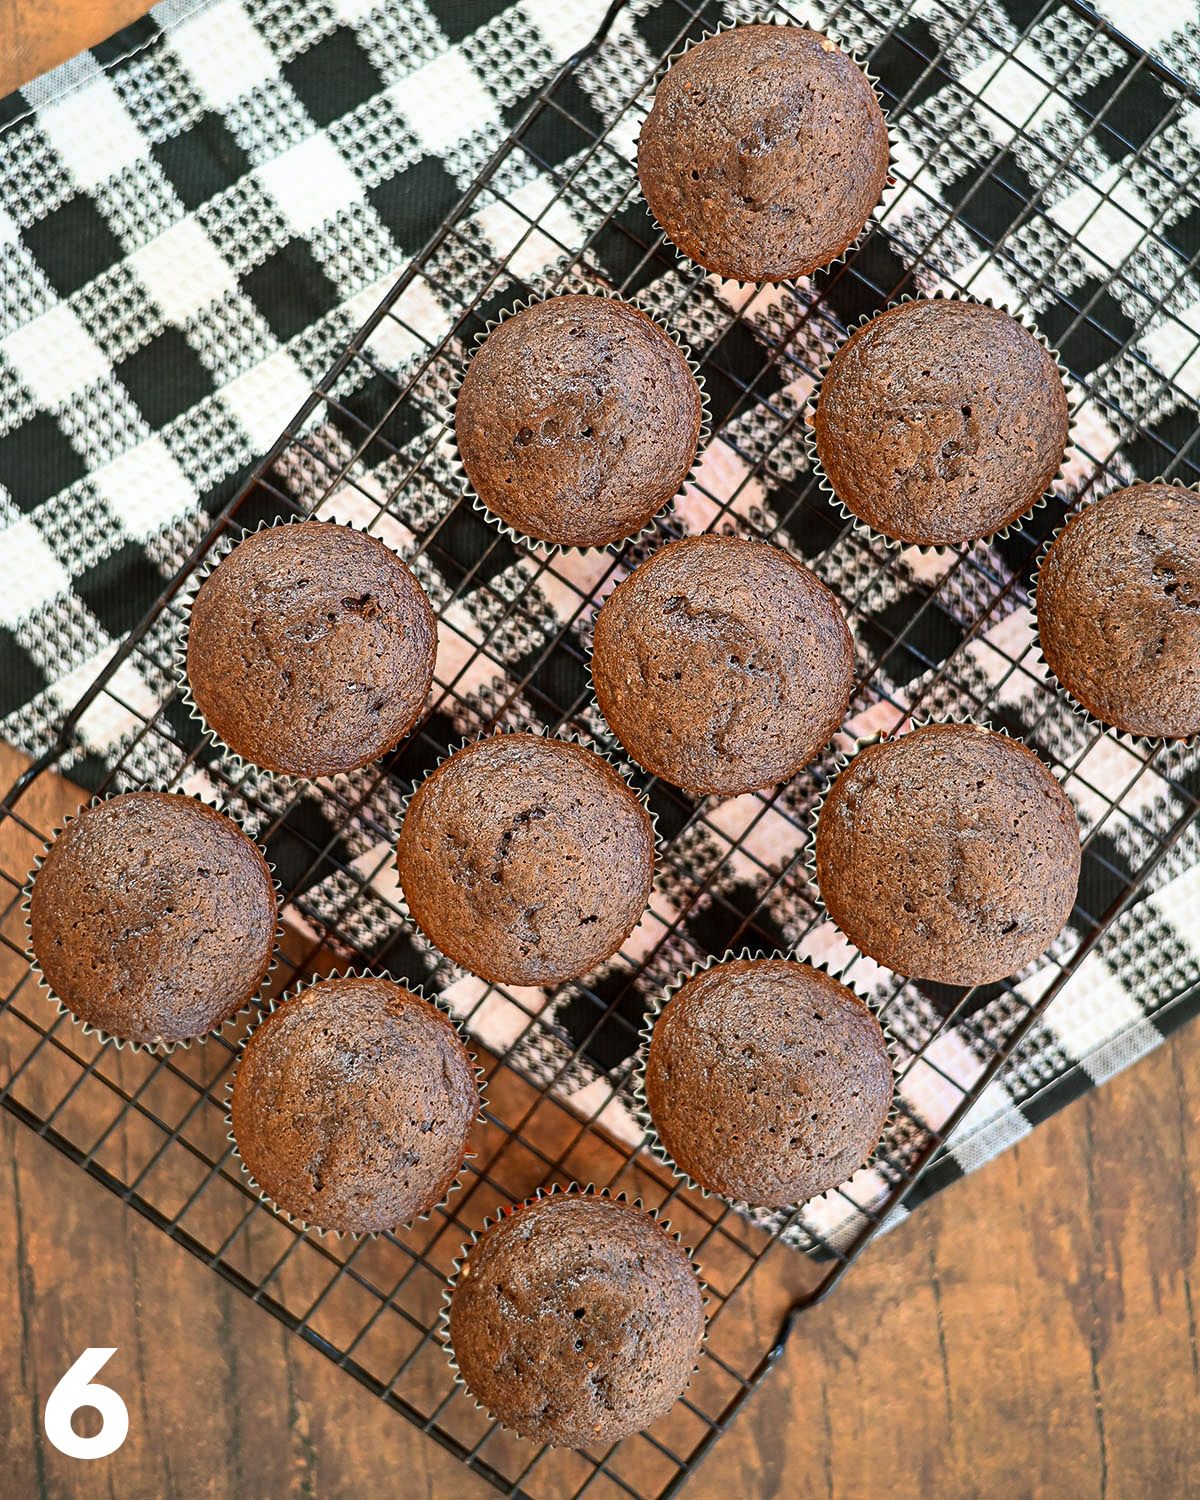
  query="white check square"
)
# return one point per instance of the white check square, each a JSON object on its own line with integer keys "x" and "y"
{"x": 223, "y": 52}
{"x": 311, "y": 183}
{"x": 92, "y": 132}
{"x": 145, "y": 489}
{"x": 183, "y": 271}
{"x": 30, "y": 572}
{"x": 443, "y": 102}
{"x": 55, "y": 356}
{"x": 265, "y": 399}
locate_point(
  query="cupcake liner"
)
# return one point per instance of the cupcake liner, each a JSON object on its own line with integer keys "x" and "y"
{"x": 841, "y": 761}
{"x": 653, "y": 1141}
{"x": 764, "y": 19}
{"x": 1141, "y": 744}
{"x": 154, "y": 1048}
{"x": 217, "y": 555}
{"x": 593, "y": 703}
{"x": 573, "y": 1189}
{"x": 864, "y": 528}
{"x": 622, "y": 769}
{"x": 555, "y": 549}
{"x": 303, "y": 1226}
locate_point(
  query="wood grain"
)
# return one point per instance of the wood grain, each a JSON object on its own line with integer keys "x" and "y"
{"x": 36, "y": 35}
{"x": 1029, "y": 1333}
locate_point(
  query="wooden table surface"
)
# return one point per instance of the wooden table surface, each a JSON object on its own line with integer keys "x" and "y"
{"x": 1031, "y": 1332}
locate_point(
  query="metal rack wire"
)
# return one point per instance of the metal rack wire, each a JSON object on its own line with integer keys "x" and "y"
{"x": 371, "y": 444}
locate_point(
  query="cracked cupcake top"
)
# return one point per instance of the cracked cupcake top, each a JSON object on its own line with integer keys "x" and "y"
{"x": 949, "y": 854}
{"x": 527, "y": 860}
{"x": 941, "y": 422}
{"x": 764, "y": 153}
{"x": 722, "y": 665}
{"x": 578, "y": 420}
{"x": 311, "y": 649}
{"x": 153, "y": 917}
{"x": 768, "y": 1081}
{"x": 352, "y": 1104}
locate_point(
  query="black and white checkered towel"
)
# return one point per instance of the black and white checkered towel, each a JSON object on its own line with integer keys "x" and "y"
{"x": 195, "y": 217}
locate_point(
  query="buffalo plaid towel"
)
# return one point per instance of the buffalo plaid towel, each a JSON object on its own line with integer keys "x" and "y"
{"x": 196, "y": 216}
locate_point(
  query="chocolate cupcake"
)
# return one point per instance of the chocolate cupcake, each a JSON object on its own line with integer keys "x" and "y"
{"x": 310, "y": 649}
{"x": 722, "y": 665}
{"x": 941, "y": 422}
{"x": 578, "y": 420}
{"x": 526, "y": 860}
{"x": 576, "y": 1319}
{"x": 352, "y": 1103}
{"x": 1118, "y": 610}
{"x": 949, "y": 854}
{"x": 152, "y": 918}
{"x": 764, "y": 153}
{"x": 767, "y": 1081}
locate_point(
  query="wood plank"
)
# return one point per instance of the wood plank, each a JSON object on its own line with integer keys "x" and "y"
{"x": 1030, "y": 1332}
{"x": 36, "y": 35}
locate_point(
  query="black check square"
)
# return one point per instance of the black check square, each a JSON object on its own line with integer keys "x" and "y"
{"x": 333, "y": 77}
{"x": 37, "y": 460}
{"x": 73, "y": 244}
{"x": 117, "y": 588}
{"x": 22, "y": 679}
{"x": 1130, "y": 106}
{"x": 165, "y": 377}
{"x": 414, "y": 199}
{"x": 290, "y": 290}
{"x": 203, "y": 161}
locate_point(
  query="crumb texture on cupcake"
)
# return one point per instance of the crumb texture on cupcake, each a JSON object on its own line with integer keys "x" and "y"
{"x": 527, "y": 860}
{"x": 153, "y": 917}
{"x": 764, "y": 153}
{"x": 1118, "y": 610}
{"x": 311, "y": 649}
{"x": 578, "y": 420}
{"x": 722, "y": 665}
{"x": 768, "y": 1081}
{"x": 941, "y": 422}
{"x": 949, "y": 854}
{"x": 576, "y": 1319}
{"x": 352, "y": 1104}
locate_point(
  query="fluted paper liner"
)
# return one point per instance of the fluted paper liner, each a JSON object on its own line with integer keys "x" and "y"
{"x": 840, "y": 764}
{"x": 159, "y": 1048}
{"x": 653, "y": 1141}
{"x": 435, "y": 1002}
{"x": 651, "y": 525}
{"x": 856, "y": 57}
{"x": 215, "y": 557}
{"x": 1141, "y": 743}
{"x": 872, "y": 533}
{"x": 572, "y": 1190}
{"x": 593, "y": 701}
{"x": 622, "y": 769}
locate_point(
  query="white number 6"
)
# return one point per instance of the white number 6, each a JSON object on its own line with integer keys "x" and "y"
{"x": 76, "y": 1389}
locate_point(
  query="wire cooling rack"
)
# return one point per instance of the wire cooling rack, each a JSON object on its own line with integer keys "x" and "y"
{"x": 557, "y": 207}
